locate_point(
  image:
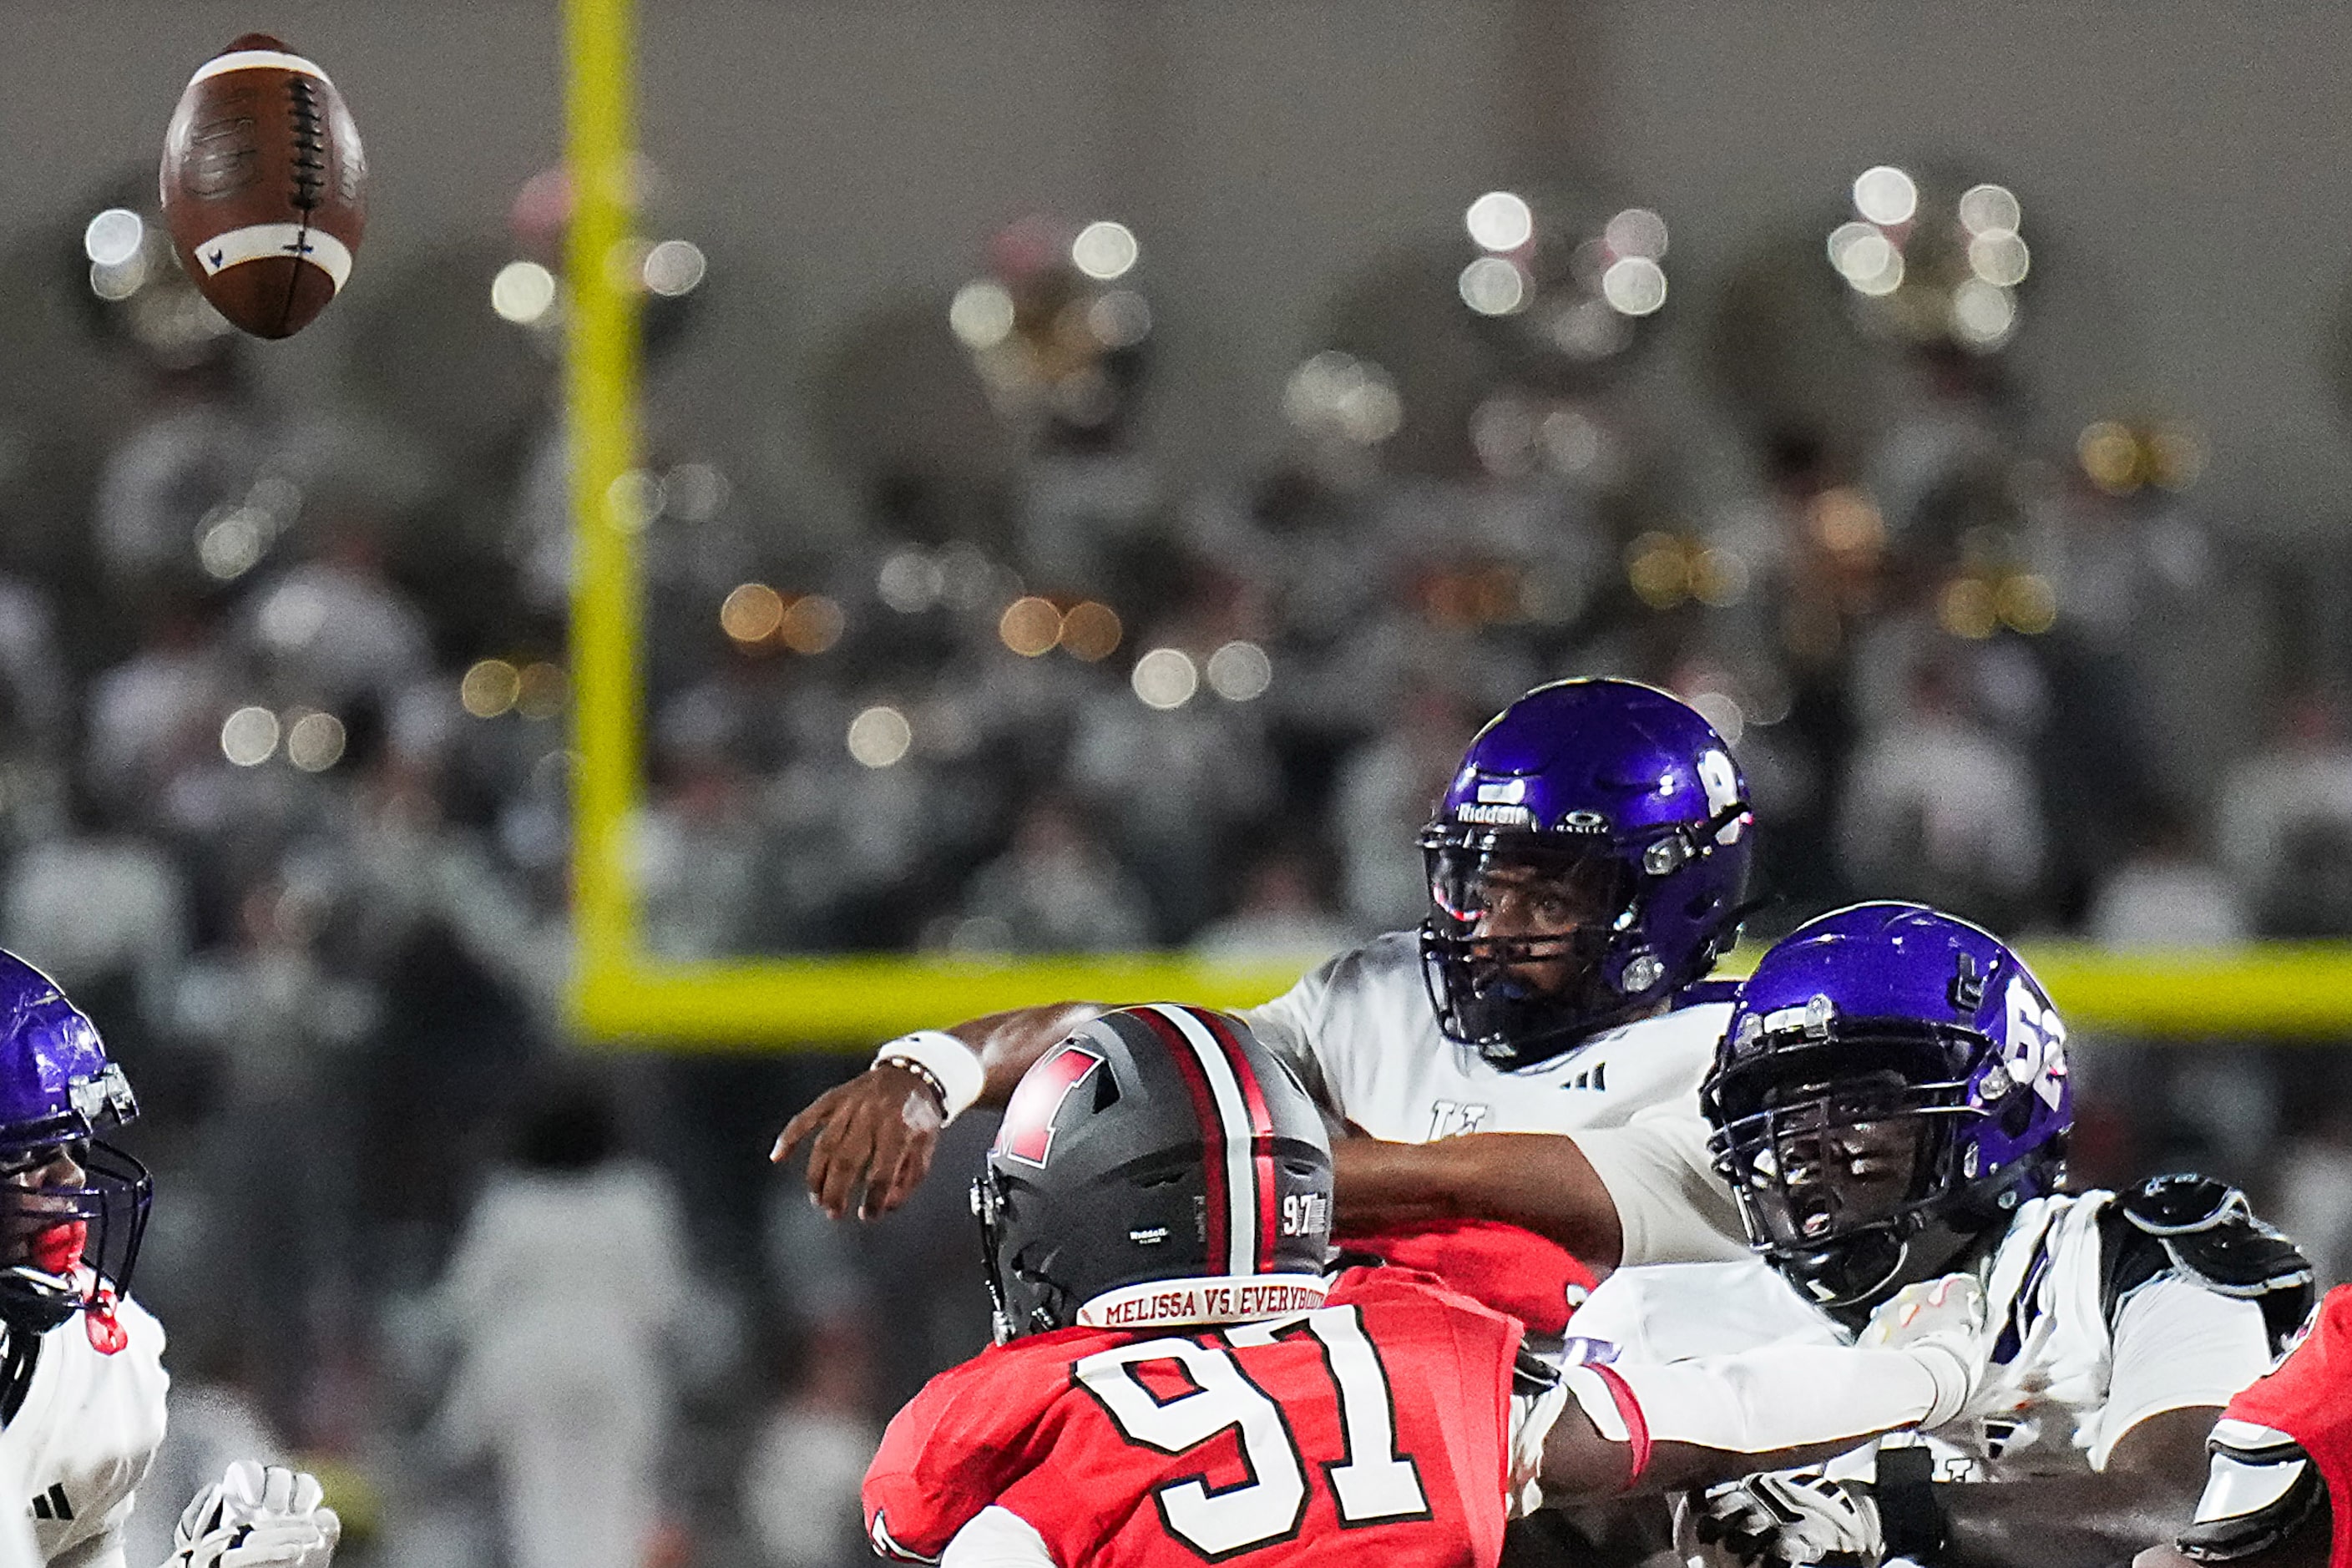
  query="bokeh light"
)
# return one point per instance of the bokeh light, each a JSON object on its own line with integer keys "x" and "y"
{"x": 1240, "y": 672}
{"x": 812, "y": 623}
{"x": 635, "y": 499}
{"x": 314, "y": 742}
{"x": 879, "y": 737}
{"x": 1165, "y": 678}
{"x": 1500, "y": 220}
{"x": 1119, "y": 320}
{"x": 1636, "y": 231}
{"x": 1091, "y": 631}
{"x": 541, "y": 689}
{"x": 1999, "y": 257}
{"x": 752, "y": 612}
{"x": 981, "y": 315}
{"x": 2110, "y": 456}
{"x": 911, "y": 581}
{"x": 1493, "y": 285}
{"x": 1983, "y": 314}
{"x": 1721, "y": 711}
{"x": 1990, "y": 209}
{"x": 675, "y": 267}
{"x": 1966, "y": 608}
{"x": 113, "y": 236}
{"x": 522, "y": 293}
{"x": 248, "y": 737}
{"x": 2027, "y": 603}
{"x": 1104, "y": 251}
{"x": 489, "y": 689}
{"x": 1635, "y": 286}
{"x": 1886, "y": 196}
{"x": 1030, "y": 627}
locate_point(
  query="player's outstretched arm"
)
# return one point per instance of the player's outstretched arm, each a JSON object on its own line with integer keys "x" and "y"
{"x": 870, "y": 1140}
{"x": 2146, "y": 1494}
{"x": 1691, "y": 1422}
{"x": 1541, "y": 1182}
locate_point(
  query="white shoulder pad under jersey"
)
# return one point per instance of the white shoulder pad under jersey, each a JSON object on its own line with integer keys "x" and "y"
{"x": 2073, "y": 1365}
{"x": 1364, "y": 1038}
{"x": 88, "y": 1430}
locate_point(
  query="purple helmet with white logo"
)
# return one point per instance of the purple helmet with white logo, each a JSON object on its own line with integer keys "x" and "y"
{"x": 1587, "y": 862}
{"x": 71, "y": 1207}
{"x": 1892, "y": 1085}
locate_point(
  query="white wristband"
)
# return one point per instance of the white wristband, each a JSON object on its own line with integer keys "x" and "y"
{"x": 952, "y": 1065}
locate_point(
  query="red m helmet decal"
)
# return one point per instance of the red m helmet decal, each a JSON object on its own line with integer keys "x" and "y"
{"x": 1027, "y": 1131}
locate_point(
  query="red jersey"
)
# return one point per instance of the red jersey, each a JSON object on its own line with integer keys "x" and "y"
{"x": 1375, "y": 1427}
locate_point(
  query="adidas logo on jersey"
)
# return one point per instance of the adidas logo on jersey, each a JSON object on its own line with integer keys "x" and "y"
{"x": 1594, "y": 1077}
{"x": 52, "y": 1504}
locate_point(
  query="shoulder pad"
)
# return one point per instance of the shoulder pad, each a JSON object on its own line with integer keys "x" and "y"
{"x": 2204, "y": 1229}
{"x": 1700, "y": 993}
{"x": 2254, "y": 1495}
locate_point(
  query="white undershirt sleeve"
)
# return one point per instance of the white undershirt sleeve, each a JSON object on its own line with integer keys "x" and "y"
{"x": 2177, "y": 1344}
{"x": 1671, "y": 1206}
{"x": 996, "y": 1537}
{"x": 1776, "y": 1397}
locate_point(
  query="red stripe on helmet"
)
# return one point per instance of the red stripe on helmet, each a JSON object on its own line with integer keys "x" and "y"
{"x": 1261, "y": 1121}
{"x": 1213, "y": 1127}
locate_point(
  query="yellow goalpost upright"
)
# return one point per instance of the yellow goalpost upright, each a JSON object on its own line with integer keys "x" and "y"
{"x": 621, "y": 993}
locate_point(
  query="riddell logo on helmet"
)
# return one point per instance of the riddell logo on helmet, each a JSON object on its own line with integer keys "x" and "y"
{"x": 1494, "y": 815}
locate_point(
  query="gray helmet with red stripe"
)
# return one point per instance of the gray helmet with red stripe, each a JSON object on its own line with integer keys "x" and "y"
{"x": 1159, "y": 1168}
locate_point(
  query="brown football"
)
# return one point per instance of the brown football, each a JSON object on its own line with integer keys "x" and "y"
{"x": 265, "y": 187}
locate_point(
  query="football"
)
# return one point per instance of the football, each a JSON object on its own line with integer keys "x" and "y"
{"x": 263, "y": 186}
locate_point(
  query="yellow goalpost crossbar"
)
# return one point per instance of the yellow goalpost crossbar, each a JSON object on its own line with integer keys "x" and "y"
{"x": 621, "y": 993}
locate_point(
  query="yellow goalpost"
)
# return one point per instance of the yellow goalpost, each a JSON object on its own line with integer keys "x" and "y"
{"x": 620, "y": 993}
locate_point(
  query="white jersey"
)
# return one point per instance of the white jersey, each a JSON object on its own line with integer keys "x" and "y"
{"x": 2073, "y": 1372}
{"x": 1363, "y": 1035}
{"x": 84, "y": 1437}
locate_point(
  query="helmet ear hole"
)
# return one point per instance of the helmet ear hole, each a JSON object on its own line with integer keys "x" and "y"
{"x": 1106, "y": 1091}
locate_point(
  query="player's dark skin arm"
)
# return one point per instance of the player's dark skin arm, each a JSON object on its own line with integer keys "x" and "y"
{"x": 870, "y": 1140}
{"x": 2145, "y": 1495}
{"x": 1541, "y": 1182}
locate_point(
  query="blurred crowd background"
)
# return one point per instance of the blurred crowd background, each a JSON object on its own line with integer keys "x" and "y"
{"x": 1102, "y": 463}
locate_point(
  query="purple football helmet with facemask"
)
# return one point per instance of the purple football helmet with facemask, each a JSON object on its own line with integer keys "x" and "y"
{"x": 1587, "y": 862}
{"x": 1892, "y": 1086}
{"x": 72, "y": 1208}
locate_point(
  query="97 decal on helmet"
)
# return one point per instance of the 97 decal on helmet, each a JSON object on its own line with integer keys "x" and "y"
{"x": 72, "y": 1207}
{"x": 1157, "y": 1167}
{"x": 1892, "y": 1086}
{"x": 1587, "y": 862}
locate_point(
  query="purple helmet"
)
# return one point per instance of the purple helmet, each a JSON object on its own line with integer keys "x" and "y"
{"x": 71, "y": 1207}
{"x": 1586, "y": 863}
{"x": 1892, "y": 1085}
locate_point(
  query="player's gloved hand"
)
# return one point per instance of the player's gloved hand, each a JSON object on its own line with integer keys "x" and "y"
{"x": 875, "y": 1132}
{"x": 1791, "y": 1518}
{"x": 256, "y": 1515}
{"x": 1941, "y": 1322}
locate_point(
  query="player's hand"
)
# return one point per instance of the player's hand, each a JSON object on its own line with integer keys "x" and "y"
{"x": 1941, "y": 1322}
{"x": 872, "y": 1136}
{"x": 1792, "y": 1518}
{"x": 256, "y": 1515}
